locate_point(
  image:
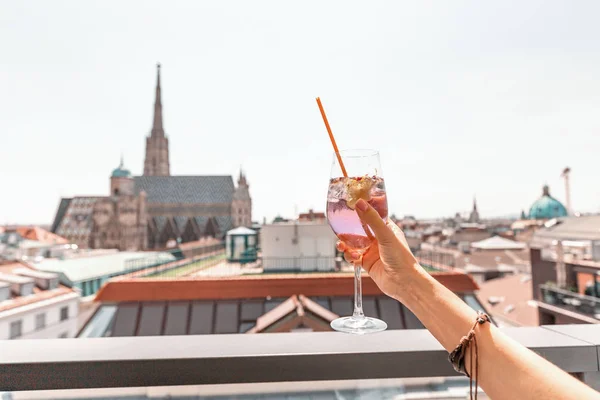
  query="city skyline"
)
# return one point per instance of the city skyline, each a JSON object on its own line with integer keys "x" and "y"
{"x": 496, "y": 115}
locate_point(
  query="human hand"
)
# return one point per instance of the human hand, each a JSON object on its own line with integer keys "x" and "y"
{"x": 388, "y": 259}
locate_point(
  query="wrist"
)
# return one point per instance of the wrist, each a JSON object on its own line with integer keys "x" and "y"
{"x": 410, "y": 284}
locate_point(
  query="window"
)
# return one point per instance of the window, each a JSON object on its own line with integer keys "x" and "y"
{"x": 40, "y": 321}
{"x": 64, "y": 313}
{"x": 16, "y": 329}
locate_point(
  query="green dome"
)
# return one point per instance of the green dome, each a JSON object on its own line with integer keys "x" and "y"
{"x": 547, "y": 207}
{"x": 121, "y": 171}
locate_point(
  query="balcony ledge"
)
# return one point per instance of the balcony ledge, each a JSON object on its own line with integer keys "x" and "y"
{"x": 220, "y": 359}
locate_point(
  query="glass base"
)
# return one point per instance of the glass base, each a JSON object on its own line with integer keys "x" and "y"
{"x": 358, "y": 326}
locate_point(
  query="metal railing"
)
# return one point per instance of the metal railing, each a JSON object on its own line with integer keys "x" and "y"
{"x": 432, "y": 258}
{"x": 298, "y": 264}
{"x": 278, "y": 357}
{"x": 159, "y": 258}
{"x": 187, "y": 267}
{"x": 571, "y": 301}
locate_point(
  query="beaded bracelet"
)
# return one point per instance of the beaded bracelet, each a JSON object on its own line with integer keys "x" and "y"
{"x": 457, "y": 356}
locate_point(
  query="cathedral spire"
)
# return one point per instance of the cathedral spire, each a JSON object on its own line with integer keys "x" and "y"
{"x": 242, "y": 179}
{"x": 156, "y": 162}
{"x": 474, "y": 216}
{"x": 157, "y": 126}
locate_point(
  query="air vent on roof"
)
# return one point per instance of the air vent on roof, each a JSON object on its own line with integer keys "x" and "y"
{"x": 509, "y": 308}
{"x": 493, "y": 300}
{"x": 4, "y": 291}
{"x": 43, "y": 280}
{"x": 19, "y": 285}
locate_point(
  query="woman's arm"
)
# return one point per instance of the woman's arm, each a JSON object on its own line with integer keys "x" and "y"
{"x": 507, "y": 370}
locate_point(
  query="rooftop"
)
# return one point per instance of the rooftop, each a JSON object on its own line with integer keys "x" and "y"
{"x": 257, "y": 286}
{"x": 241, "y": 231}
{"x": 509, "y": 300}
{"x": 41, "y": 235}
{"x": 547, "y": 207}
{"x": 84, "y": 268}
{"x": 571, "y": 228}
{"x": 248, "y": 303}
{"x": 494, "y": 259}
{"x": 497, "y": 243}
{"x": 38, "y": 295}
{"x": 186, "y": 189}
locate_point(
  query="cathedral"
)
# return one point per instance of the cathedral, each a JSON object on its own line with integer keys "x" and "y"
{"x": 157, "y": 209}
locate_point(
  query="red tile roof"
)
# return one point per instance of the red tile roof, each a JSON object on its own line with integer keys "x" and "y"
{"x": 510, "y": 300}
{"x": 40, "y": 235}
{"x": 256, "y": 286}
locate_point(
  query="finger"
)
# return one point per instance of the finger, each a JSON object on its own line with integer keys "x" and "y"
{"x": 398, "y": 232}
{"x": 341, "y": 246}
{"x": 352, "y": 257}
{"x": 369, "y": 215}
{"x": 370, "y": 257}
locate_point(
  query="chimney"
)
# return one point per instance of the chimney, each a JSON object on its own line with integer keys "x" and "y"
{"x": 4, "y": 291}
{"x": 565, "y": 176}
{"x": 19, "y": 285}
{"x": 43, "y": 280}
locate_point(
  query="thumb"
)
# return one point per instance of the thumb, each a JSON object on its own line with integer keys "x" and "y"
{"x": 370, "y": 216}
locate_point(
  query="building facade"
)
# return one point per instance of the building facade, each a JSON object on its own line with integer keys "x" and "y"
{"x": 565, "y": 271}
{"x": 241, "y": 205}
{"x": 119, "y": 220}
{"x": 298, "y": 246}
{"x": 155, "y": 210}
{"x": 33, "y": 305}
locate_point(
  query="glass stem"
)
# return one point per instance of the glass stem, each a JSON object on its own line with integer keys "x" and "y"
{"x": 358, "y": 309}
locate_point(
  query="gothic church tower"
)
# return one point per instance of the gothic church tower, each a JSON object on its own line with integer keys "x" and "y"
{"x": 157, "y": 144}
{"x": 241, "y": 206}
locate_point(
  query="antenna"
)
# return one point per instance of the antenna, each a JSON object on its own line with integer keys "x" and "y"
{"x": 565, "y": 175}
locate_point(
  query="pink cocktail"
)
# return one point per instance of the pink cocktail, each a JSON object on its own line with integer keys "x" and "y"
{"x": 357, "y": 177}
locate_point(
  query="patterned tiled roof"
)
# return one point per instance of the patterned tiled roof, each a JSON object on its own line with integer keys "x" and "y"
{"x": 186, "y": 189}
{"x": 201, "y": 222}
{"x": 225, "y": 222}
{"x": 160, "y": 222}
{"x": 181, "y": 222}
{"x": 60, "y": 213}
{"x": 77, "y": 218}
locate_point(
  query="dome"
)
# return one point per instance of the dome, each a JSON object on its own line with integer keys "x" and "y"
{"x": 121, "y": 171}
{"x": 547, "y": 207}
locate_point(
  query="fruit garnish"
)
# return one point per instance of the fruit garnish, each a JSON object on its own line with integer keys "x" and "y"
{"x": 358, "y": 188}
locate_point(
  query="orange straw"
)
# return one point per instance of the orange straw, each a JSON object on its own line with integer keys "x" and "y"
{"x": 335, "y": 148}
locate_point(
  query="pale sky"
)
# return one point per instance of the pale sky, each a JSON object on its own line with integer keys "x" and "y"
{"x": 462, "y": 98}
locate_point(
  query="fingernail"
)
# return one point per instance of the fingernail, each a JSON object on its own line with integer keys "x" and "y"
{"x": 355, "y": 255}
{"x": 362, "y": 205}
